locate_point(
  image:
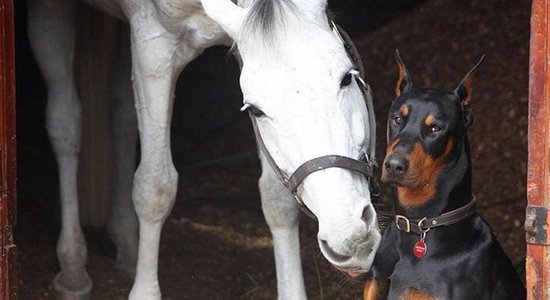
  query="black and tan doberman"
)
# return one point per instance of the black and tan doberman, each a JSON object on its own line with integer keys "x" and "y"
{"x": 437, "y": 246}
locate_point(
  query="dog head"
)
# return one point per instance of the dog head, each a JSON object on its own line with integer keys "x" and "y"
{"x": 425, "y": 128}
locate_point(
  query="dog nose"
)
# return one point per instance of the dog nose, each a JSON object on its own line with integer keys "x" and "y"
{"x": 396, "y": 164}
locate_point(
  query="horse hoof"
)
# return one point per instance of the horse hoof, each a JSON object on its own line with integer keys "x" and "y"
{"x": 66, "y": 288}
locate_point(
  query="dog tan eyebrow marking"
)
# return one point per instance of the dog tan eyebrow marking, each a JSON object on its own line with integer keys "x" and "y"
{"x": 404, "y": 110}
{"x": 429, "y": 121}
{"x": 390, "y": 147}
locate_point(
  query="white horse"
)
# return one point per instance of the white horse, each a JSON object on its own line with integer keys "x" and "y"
{"x": 297, "y": 82}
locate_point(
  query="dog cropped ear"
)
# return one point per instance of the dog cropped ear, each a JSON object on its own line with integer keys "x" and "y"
{"x": 464, "y": 89}
{"x": 404, "y": 82}
{"x": 468, "y": 117}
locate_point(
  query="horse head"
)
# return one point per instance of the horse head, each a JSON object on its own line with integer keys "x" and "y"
{"x": 305, "y": 98}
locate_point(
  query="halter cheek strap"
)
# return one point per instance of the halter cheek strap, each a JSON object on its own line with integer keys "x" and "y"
{"x": 364, "y": 165}
{"x": 317, "y": 164}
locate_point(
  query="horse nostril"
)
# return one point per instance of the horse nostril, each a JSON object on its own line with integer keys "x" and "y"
{"x": 333, "y": 255}
{"x": 368, "y": 214}
{"x": 396, "y": 164}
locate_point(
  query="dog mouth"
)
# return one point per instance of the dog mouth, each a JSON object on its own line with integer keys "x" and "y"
{"x": 407, "y": 181}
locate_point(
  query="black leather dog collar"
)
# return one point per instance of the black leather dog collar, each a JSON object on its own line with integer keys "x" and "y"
{"x": 419, "y": 226}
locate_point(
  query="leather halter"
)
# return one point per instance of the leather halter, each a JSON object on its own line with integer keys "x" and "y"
{"x": 420, "y": 226}
{"x": 365, "y": 164}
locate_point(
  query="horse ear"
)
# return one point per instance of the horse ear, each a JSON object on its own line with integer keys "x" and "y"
{"x": 313, "y": 8}
{"x": 464, "y": 89}
{"x": 404, "y": 82}
{"x": 228, "y": 14}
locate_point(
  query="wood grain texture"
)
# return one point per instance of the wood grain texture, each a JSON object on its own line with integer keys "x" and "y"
{"x": 538, "y": 168}
{"x": 8, "y": 178}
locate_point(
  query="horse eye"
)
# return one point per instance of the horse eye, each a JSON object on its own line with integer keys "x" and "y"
{"x": 435, "y": 129}
{"x": 397, "y": 120}
{"x": 256, "y": 112}
{"x": 346, "y": 80}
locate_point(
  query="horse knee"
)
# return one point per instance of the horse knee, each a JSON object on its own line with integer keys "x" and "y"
{"x": 63, "y": 122}
{"x": 154, "y": 191}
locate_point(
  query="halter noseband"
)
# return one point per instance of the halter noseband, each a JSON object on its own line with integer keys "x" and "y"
{"x": 365, "y": 164}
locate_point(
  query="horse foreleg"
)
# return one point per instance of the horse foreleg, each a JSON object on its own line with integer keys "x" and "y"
{"x": 156, "y": 63}
{"x": 123, "y": 224}
{"x": 51, "y": 32}
{"x": 281, "y": 215}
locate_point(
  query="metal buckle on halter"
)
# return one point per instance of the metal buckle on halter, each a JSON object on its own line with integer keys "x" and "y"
{"x": 303, "y": 207}
{"x": 298, "y": 199}
{"x": 407, "y": 222}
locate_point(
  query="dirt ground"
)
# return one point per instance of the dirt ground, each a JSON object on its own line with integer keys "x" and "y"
{"x": 216, "y": 245}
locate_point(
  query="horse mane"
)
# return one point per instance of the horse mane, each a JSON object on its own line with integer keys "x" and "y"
{"x": 266, "y": 17}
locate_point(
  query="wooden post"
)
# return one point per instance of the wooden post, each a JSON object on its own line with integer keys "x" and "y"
{"x": 538, "y": 192}
{"x": 8, "y": 266}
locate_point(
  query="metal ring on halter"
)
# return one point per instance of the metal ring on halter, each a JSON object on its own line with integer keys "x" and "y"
{"x": 303, "y": 207}
{"x": 420, "y": 225}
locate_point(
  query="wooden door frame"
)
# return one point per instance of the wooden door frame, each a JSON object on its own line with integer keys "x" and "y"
{"x": 8, "y": 266}
{"x": 538, "y": 188}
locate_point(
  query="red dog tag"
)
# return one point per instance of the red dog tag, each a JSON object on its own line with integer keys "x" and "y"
{"x": 420, "y": 249}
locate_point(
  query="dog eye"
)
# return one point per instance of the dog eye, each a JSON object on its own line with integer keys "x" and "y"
{"x": 435, "y": 129}
{"x": 396, "y": 120}
{"x": 346, "y": 81}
